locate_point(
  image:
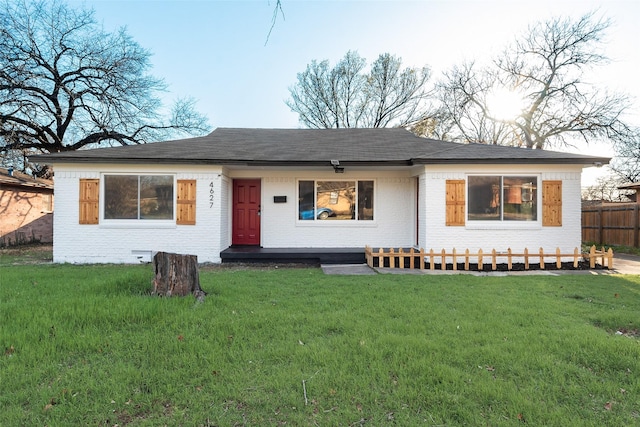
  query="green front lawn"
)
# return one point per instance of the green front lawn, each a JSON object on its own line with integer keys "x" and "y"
{"x": 88, "y": 345}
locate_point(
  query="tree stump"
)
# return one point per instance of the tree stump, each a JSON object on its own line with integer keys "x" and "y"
{"x": 176, "y": 274}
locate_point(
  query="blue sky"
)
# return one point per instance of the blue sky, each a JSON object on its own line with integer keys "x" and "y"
{"x": 215, "y": 51}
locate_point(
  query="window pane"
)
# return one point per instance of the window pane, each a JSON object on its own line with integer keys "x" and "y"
{"x": 484, "y": 198}
{"x": 365, "y": 200}
{"x": 156, "y": 197}
{"x": 336, "y": 200}
{"x": 121, "y": 197}
{"x": 306, "y": 197}
{"x": 520, "y": 198}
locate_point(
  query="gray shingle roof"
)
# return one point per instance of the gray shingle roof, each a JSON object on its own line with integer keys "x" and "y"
{"x": 19, "y": 179}
{"x": 241, "y": 146}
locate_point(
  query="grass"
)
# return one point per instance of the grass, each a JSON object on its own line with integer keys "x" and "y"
{"x": 88, "y": 345}
{"x": 26, "y": 254}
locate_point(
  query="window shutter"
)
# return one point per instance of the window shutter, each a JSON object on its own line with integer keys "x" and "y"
{"x": 89, "y": 196}
{"x": 186, "y": 202}
{"x": 455, "y": 214}
{"x": 552, "y": 203}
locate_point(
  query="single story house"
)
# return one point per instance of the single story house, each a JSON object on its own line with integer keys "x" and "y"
{"x": 26, "y": 208}
{"x": 296, "y": 189}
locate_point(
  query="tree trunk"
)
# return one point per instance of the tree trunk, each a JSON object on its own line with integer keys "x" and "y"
{"x": 176, "y": 274}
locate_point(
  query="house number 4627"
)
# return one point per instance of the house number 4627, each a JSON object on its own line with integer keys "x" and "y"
{"x": 211, "y": 192}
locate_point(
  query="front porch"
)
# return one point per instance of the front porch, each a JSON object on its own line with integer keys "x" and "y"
{"x": 258, "y": 254}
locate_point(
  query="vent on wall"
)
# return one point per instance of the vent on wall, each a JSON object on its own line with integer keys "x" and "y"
{"x": 143, "y": 256}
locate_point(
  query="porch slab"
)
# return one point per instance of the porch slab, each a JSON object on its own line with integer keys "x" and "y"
{"x": 256, "y": 254}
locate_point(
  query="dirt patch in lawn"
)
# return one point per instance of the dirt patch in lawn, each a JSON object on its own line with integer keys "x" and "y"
{"x": 26, "y": 254}
{"x": 628, "y": 332}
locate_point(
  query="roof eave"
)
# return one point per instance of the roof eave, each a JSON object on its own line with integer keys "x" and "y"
{"x": 585, "y": 161}
{"x": 27, "y": 185}
{"x": 130, "y": 161}
{"x": 593, "y": 161}
{"x": 223, "y": 162}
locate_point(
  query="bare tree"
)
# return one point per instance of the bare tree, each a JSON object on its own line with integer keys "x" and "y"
{"x": 544, "y": 71}
{"x": 346, "y": 97}
{"x": 277, "y": 10}
{"x": 66, "y": 83}
{"x": 462, "y": 115}
{"x": 626, "y": 163}
{"x": 605, "y": 189}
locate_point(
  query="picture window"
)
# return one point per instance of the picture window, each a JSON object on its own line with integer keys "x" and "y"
{"x": 138, "y": 197}
{"x": 348, "y": 200}
{"x": 502, "y": 198}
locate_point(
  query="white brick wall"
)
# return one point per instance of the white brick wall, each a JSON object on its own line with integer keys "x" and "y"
{"x": 226, "y": 192}
{"x": 396, "y": 220}
{"x": 497, "y": 236}
{"x": 394, "y": 212}
{"x": 75, "y": 243}
{"x": 423, "y": 202}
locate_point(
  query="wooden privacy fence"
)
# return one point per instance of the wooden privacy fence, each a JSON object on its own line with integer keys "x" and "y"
{"x": 420, "y": 259}
{"x": 612, "y": 224}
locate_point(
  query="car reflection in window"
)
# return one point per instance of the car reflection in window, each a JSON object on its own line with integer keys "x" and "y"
{"x": 320, "y": 213}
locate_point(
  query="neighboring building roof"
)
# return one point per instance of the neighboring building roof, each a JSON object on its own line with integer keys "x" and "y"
{"x": 629, "y": 186}
{"x": 288, "y": 147}
{"x": 19, "y": 179}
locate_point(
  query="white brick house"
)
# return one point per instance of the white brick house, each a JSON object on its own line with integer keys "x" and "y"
{"x": 295, "y": 188}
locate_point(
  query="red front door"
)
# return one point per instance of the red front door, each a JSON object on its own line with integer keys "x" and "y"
{"x": 246, "y": 212}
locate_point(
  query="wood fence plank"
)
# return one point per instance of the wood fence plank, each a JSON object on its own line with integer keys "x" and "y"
{"x": 466, "y": 260}
{"x": 454, "y": 260}
{"x": 388, "y": 259}
{"x": 617, "y": 224}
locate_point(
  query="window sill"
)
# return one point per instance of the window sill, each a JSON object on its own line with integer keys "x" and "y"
{"x": 500, "y": 225}
{"x": 336, "y": 223}
{"x": 138, "y": 224}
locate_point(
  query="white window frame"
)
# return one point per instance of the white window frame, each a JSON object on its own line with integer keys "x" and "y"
{"x": 502, "y": 224}
{"x": 137, "y": 223}
{"x": 336, "y": 222}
